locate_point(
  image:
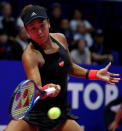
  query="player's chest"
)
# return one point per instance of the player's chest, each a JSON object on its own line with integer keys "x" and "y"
{"x": 56, "y": 63}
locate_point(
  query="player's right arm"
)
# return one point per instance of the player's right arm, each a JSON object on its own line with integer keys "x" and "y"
{"x": 31, "y": 60}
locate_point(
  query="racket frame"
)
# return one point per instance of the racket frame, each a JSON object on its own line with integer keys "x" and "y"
{"x": 34, "y": 99}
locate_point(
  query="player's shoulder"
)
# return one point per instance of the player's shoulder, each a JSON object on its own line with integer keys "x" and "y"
{"x": 27, "y": 53}
{"x": 58, "y": 35}
{"x": 31, "y": 55}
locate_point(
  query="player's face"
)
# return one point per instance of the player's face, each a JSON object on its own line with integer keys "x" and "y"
{"x": 38, "y": 30}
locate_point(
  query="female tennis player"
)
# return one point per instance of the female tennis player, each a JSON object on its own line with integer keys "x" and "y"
{"x": 47, "y": 60}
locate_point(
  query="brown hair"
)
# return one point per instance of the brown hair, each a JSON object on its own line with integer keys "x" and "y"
{"x": 24, "y": 10}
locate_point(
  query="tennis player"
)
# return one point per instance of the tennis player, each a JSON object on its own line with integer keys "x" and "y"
{"x": 47, "y": 60}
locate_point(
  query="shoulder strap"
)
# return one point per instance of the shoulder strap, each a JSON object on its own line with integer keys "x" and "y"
{"x": 57, "y": 42}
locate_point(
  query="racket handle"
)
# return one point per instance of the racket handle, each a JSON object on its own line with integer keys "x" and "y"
{"x": 50, "y": 90}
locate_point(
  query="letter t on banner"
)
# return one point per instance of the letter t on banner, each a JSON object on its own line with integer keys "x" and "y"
{"x": 75, "y": 88}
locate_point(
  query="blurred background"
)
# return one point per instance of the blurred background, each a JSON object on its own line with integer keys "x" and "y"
{"x": 93, "y": 29}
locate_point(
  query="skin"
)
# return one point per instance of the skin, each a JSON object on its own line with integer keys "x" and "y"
{"x": 114, "y": 125}
{"x": 33, "y": 59}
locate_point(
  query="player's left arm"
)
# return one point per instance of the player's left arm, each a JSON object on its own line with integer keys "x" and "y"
{"x": 78, "y": 71}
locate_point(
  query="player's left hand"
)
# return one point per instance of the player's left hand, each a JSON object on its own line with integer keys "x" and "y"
{"x": 104, "y": 75}
{"x": 113, "y": 126}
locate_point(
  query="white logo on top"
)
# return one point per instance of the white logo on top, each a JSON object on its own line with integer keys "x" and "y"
{"x": 33, "y": 14}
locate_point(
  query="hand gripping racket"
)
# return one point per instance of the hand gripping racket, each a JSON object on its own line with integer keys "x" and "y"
{"x": 24, "y": 98}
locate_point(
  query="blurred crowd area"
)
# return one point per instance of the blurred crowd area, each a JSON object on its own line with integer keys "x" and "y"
{"x": 88, "y": 44}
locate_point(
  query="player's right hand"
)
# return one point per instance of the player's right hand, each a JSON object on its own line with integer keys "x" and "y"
{"x": 56, "y": 92}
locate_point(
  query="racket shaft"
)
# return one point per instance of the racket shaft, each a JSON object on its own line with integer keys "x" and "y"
{"x": 39, "y": 97}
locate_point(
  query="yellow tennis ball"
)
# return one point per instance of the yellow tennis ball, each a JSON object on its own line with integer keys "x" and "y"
{"x": 54, "y": 113}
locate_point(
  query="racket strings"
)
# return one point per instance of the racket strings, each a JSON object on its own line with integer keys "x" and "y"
{"x": 22, "y": 100}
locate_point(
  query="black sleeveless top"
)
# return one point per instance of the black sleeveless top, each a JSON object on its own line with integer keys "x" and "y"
{"x": 55, "y": 70}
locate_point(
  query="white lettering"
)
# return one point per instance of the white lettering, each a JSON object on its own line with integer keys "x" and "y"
{"x": 111, "y": 93}
{"x": 86, "y": 96}
{"x": 75, "y": 88}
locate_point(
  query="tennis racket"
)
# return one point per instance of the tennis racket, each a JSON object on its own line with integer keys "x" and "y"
{"x": 24, "y": 98}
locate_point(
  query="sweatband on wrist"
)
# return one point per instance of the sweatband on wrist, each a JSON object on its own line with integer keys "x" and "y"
{"x": 45, "y": 87}
{"x": 92, "y": 74}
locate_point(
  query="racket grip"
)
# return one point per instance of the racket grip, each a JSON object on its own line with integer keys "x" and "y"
{"x": 50, "y": 90}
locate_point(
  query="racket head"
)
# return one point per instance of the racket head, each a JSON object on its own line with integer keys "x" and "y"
{"x": 22, "y": 99}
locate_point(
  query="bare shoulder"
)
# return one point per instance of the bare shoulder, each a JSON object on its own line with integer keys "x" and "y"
{"x": 32, "y": 55}
{"x": 27, "y": 54}
{"x": 58, "y": 36}
{"x": 61, "y": 38}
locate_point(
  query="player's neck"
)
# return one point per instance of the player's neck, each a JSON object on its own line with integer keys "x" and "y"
{"x": 48, "y": 44}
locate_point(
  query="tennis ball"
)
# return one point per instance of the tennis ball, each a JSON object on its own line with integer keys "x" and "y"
{"x": 54, "y": 113}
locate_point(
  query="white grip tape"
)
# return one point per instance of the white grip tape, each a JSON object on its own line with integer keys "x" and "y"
{"x": 50, "y": 90}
